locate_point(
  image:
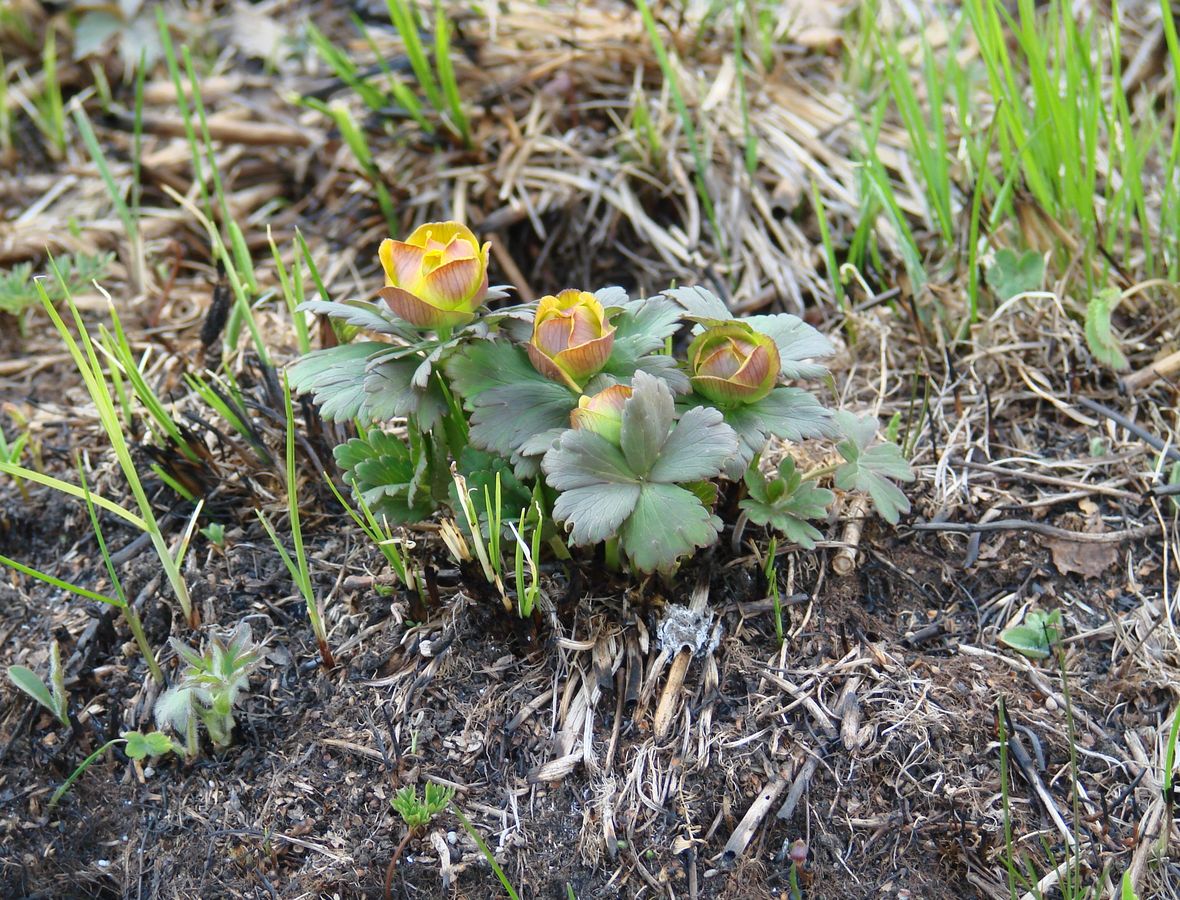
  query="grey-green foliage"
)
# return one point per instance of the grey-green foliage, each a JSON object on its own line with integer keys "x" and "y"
{"x": 390, "y": 474}
{"x": 209, "y": 687}
{"x": 869, "y": 466}
{"x": 638, "y": 491}
{"x": 786, "y": 502}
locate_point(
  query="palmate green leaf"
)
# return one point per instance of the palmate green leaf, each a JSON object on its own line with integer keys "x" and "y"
{"x": 1011, "y": 274}
{"x": 789, "y": 413}
{"x": 1036, "y": 635}
{"x": 519, "y": 421}
{"x": 869, "y": 466}
{"x": 392, "y": 392}
{"x": 786, "y": 503}
{"x": 631, "y": 491}
{"x": 798, "y": 343}
{"x": 641, "y": 327}
{"x": 668, "y": 522}
{"x": 140, "y": 746}
{"x": 360, "y": 313}
{"x": 336, "y": 378}
{"x": 381, "y": 468}
{"x": 595, "y": 512}
{"x": 598, "y": 489}
{"x": 483, "y": 365}
{"x": 700, "y": 303}
{"x": 1099, "y": 336}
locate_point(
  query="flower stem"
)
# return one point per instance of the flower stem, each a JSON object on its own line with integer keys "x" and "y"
{"x": 611, "y": 554}
{"x": 819, "y": 472}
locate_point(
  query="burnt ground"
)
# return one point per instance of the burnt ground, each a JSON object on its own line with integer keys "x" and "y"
{"x": 871, "y": 734}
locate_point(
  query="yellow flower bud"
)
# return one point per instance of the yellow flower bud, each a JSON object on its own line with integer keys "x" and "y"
{"x": 437, "y": 277}
{"x": 732, "y": 364}
{"x": 571, "y": 339}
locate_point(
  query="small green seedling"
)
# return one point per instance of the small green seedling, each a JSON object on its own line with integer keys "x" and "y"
{"x": 214, "y": 533}
{"x": 872, "y": 467}
{"x": 209, "y": 687}
{"x": 1102, "y": 341}
{"x": 786, "y": 502}
{"x": 1011, "y": 275}
{"x": 1036, "y": 636}
{"x": 139, "y": 746}
{"x": 417, "y": 814}
{"x": 53, "y": 697}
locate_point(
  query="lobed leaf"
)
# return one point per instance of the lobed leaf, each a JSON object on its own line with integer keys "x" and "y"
{"x": 1010, "y": 274}
{"x": 647, "y": 421}
{"x": 336, "y": 378}
{"x": 392, "y": 392}
{"x": 360, "y": 313}
{"x": 595, "y": 512}
{"x": 698, "y": 448}
{"x": 667, "y": 523}
{"x": 520, "y": 419}
{"x": 140, "y": 746}
{"x": 382, "y": 469}
{"x": 869, "y": 468}
{"x": 641, "y": 328}
{"x": 786, "y": 503}
{"x": 488, "y": 364}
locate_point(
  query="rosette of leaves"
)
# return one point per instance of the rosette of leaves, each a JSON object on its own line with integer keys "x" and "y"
{"x": 786, "y": 503}
{"x": 642, "y": 489}
{"x": 518, "y": 412}
{"x": 870, "y": 465}
{"x": 789, "y": 413}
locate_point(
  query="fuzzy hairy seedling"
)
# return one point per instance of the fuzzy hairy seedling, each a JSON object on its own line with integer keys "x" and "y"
{"x": 210, "y": 686}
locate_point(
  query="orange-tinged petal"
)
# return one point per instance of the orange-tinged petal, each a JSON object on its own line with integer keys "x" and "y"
{"x": 454, "y": 285}
{"x": 401, "y": 261}
{"x": 760, "y": 369}
{"x": 442, "y": 233}
{"x": 586, "y": 326}
{"x": 459, "y": 248}
{"x": 549, "y": 369}
{"x": 724, "y": 362}
{"x": 552, "y": 335}
{"x": 586, "y": 359}
{"x": 420, "y": 313}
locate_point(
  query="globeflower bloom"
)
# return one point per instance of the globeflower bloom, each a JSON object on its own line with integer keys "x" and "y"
{"x": 602, "y": 413}
{"x": 732, "y": 364}
{"x": 572, "y": 338}
{"x": 437, "y": 277}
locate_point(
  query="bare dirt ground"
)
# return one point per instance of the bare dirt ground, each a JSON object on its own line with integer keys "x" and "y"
{"x": 870, "y": 734}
